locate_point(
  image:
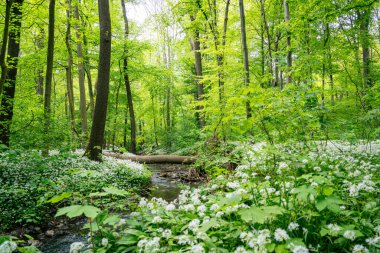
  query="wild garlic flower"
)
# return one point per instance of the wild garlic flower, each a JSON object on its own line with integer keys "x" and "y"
{"x": 360, "y": 249}
{"x": 104, "y": 242}
{"x": 298, "y": 248}
{"x": 167, "y": 233}
{"x": 157, "y": 219}
{"x": 75, "y": 247}
{"x": 281, "y": 235}
{"x": 8, "y": 247}
{"x": 194, "y": 225}
{"x": 350, "y": 235}
{"x": 197, "y": 248}
{"x": 170, "y": 207}
{"x": 293, "y": 226}
{"x": 241, "y": 249}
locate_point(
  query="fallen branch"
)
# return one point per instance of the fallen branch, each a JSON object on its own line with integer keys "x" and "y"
{"x": 153, "y": 159}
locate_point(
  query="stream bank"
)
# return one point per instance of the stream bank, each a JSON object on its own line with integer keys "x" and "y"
{"x": 166, "y": 183}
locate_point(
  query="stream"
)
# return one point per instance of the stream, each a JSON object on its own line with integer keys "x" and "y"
{"x": 165, "y": 184}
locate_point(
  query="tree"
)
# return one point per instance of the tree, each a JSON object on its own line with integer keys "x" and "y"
{"x": 127, "y": 81}
{"x": 245, "y": 54}
{"x": 81, "y": 74}
{"x": 196, "y": 46}
{"x": 69, "y": 67}
{"x": 8, "y": 95}
{"x": 94, "y": 148}
{"x": 49, "y": 74}
{"x": 4, "y": 44}
{"x": 288, "y": 44}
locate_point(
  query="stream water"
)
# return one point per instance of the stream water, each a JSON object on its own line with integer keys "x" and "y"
{"x": 165, "y": 185}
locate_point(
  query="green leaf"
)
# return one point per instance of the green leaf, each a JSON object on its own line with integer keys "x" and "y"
{"x": 78, "y": 210}
{"x": 332, "y": 203}
{"x": 115, "y": 191}
{"x": 59, "y": 198}
{"x": 281, "y": 249}
{"x": 328, "y": 190}
{"x": 230, "y": 201}
{"x": 260, "y": 214}
{"x": 208, "y": 225}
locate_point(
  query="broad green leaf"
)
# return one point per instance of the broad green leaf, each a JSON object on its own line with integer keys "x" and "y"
{"x": 59, "y": 198}
{"x": 260, "y": 214}
{"x": 78, "y": 210}
{"x": 115, "y": 191}
{"x": 208, "y": 225}
{"x": 332, "y": 203}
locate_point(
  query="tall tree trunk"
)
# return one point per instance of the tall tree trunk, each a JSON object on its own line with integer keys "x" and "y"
{"x": 87, "y": 68}
{"x": 39, "y": 43}
{"x": 245, "y": 54}
{"x": 116, "y": 114}
{"x": 4, "y": 44}
{"x": 7, "y": 99}
{"x": 329, "y": 61}
{"x": 49, "y": 76}
{"x": 96, "y": 140}
{"x": 69, "y": 75}
{"x": 365, "y": 19}
{"x": 269, "y": 38}
{"x": 81, "y": 74}
{"x": 198, "y": 74}
{"x": 288, "y": 44}
{"x": 127, "y": 83}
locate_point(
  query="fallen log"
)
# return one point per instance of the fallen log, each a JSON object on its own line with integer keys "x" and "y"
{"x": 155, "y": 159}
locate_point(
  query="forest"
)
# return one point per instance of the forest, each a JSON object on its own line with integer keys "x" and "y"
{"x": 189, "y": 126}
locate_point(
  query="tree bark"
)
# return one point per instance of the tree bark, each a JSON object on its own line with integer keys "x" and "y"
{"x": 7, "y": 99}
{"x": 288, "y": 45}
{"x": 4, "y": 44}
{"x": 365, "y": 17}
{"x": 69, "y": 75}
{"x": 81, "y": 74}
{"x": 198, "y": 75}
{"x": 96, "y": 140}
{"x": 127, "y": 83}
{"x": 49, "y": 76}
{"x": 154, "y": 159}
{"x": 245, "y": 54}
{"x": 266, "y": 28}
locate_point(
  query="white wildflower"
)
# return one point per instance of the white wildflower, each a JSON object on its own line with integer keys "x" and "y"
{"x": 267, "y": 178}
{"x": 170, "y": 207}
{"x": 214, "y": 207}
{"x": 281, "y": 235}
{"x": 359, "y": 249}
{"x": 219, "y": 214}
{"x": 233, "y": 185}
{"x": 299, "y": 249}
{"x": 293, "y": 226}
{"x": 143, "y": 202}
{"x": 153, "y": 245}
{"x": 142, "y": 243}
{"x": 167, "y": 233}
{"x": 194, "y": 225}
{"x": 241, "y": 249}
{"x": 104, "y": 242}
{"x": 8, "y": 247}
{"x": 334, "y": 227}
{"x": 197, "y": 249}
{"x": 349, "y": 234}
{"x": 157, "y": 219}
{"x": 75, "y": 247}
{"x": 314, "y": 184}
{"x": 183, "y": 239}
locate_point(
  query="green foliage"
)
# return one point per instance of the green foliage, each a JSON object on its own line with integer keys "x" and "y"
{"x": 30, "y": 184}
{"x": 299, "y": 200}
